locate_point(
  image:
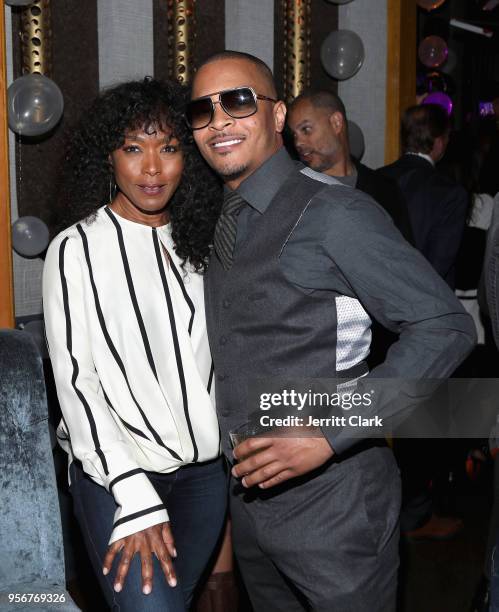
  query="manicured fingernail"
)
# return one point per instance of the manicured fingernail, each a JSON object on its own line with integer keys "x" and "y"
{"x": 147, "y": 589}
{"x": 172, "y": 582}
{"x": 117, "y": 587}
{"x": 234, "y": 472}
{"x": 175, "y": 552}
{"x": 105, "y": 571}
{"x": 243, "y": 481}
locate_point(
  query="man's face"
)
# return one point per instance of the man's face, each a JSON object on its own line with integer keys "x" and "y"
{"x": 316, "y": 133}
{"x": 235, "y": 148}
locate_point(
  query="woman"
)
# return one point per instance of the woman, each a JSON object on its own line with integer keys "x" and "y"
{"x": 124, "y": 316}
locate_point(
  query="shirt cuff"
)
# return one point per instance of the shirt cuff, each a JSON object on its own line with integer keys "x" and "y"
{"x": 339, "y": 441}
{"x": 139, "y": 505}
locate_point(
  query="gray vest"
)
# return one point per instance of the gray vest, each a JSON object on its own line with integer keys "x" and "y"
{"x": 259, "y": 323}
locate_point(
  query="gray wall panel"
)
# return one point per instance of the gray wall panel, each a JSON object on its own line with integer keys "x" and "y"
{"x": 249, "y": 27}
{"x": 364, "y": 94}
{"x": 126, "y": 41}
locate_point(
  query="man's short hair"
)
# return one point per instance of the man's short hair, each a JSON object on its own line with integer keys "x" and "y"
{"x": 322, "y": 98}
{"x": 421, "y": 126}
{"x": 261, "y": 66}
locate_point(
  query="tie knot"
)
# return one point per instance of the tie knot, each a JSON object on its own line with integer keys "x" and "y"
{"x": 233, "y": 202}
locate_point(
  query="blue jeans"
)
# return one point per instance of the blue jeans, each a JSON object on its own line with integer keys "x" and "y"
{"x": 196, "y": 499}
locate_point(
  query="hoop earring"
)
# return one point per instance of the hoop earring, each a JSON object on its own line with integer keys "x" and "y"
{"x": 113, "y": 188}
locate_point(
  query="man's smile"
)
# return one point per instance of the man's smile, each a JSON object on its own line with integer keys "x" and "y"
{"x": 225, "y": 143}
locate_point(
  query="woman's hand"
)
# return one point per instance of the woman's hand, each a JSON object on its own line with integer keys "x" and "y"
{"x": 157, "y": 539}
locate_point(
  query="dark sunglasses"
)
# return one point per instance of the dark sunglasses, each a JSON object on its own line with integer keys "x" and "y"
{"x": 238, "y": 103}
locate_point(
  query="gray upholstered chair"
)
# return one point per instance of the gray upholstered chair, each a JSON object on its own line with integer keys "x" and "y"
{"x": 31, "y": 552}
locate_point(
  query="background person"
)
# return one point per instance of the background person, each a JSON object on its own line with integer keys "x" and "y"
{"x": 318, "y": 122}
{"x": 437, "y": 205}
{"x": 438, "y": 208}
{"x": 125, "y": 324}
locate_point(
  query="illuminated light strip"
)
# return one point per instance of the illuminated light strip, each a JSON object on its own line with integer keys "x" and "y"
{"x": 471, "y": 28}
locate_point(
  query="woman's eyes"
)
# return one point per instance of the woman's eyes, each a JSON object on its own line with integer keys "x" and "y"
{"x": 136, "y": 149}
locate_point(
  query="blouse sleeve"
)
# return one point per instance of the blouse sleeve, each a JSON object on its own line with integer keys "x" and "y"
{"x": 95, "y": 439}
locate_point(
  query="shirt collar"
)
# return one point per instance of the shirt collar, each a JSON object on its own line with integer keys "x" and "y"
{"x": 262, "y": 185}
{"x": 423, "y": 155}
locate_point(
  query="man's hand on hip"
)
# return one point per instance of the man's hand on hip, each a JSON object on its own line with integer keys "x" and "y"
{"x": 267, "y": 462}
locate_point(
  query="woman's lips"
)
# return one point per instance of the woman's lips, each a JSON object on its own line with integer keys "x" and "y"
{"x": 151, "y": 189}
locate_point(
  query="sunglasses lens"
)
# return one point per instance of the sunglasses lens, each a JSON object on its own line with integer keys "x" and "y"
{"x": 238, "y": 103}
{"x": 198, "y": 113}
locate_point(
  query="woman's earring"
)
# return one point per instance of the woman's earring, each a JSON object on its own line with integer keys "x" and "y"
{"x": 113, "y": 188}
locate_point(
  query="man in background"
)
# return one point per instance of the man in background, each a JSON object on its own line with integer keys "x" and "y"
{"x": 318, "y": 122}
{"x": 437, "y": 205}
{"x": 437, "y": 210}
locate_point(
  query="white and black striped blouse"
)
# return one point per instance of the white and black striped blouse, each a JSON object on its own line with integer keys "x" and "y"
{"x": 127, "y": 339}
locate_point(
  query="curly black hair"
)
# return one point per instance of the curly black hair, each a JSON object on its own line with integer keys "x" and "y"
{"x": 87, "y": 172}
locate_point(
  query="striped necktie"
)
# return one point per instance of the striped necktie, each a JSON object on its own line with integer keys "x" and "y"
{"x": 226, "y": 228}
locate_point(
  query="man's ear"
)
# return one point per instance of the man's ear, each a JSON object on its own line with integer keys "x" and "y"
{"x": 438, "y": 149}
{"x": 337, "y": 122}
{"x": 280, "y": 116}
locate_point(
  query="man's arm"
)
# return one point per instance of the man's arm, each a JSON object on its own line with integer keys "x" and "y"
{"x": 400, "y": 289}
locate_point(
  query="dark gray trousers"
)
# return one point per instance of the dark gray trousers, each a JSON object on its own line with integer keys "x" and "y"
{"x": 326, "y": 542}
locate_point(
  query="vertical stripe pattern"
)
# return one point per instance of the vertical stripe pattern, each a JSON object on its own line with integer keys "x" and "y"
{"x": 133, "y": 296}
{"x": 190, "y": 304}
{"x": 176, "y": 345}
{"x": 111, "y": 346}
{"x": 210, "y": 378}
{"x": 69, "y": 344}
{"x": 125, "y": 418}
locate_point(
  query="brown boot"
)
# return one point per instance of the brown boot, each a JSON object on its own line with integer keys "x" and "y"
{"x": 219, "y": 594}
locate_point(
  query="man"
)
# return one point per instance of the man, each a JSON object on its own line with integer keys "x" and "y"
{"x": 437, "y": 209}
{"x": 318, "y": 122}
{"x": 437, "y": 205}
{"x": 314, "y": 518}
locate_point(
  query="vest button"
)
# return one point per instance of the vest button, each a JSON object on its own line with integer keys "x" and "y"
{"x": 223, "y": 340}
{"x": 222, "y": 377}
{"x": 226, "y": 303}
{"x": 224, "y": 413}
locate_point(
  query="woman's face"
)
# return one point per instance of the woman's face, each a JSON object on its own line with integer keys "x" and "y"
{"x": 147, "y": 169}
